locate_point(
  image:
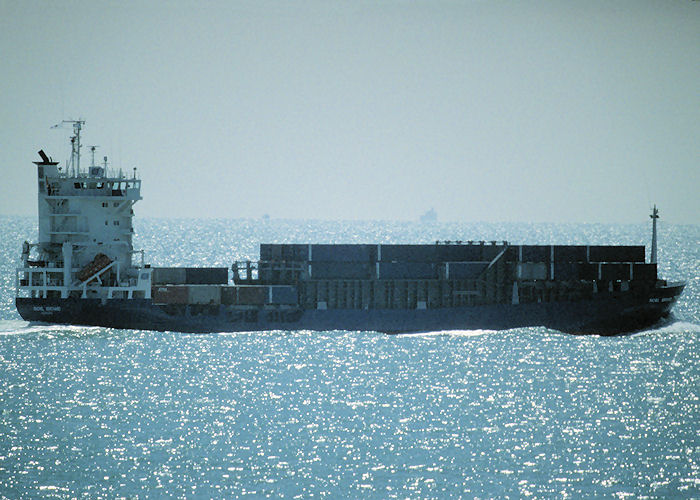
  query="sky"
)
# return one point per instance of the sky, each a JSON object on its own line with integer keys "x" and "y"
{"x": 353, "y": 110}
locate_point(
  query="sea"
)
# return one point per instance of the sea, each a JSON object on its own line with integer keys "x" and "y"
{"x": 523, "y": 413}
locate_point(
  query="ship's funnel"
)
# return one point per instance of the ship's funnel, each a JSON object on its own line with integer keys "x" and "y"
{"x": 45, "y": 160}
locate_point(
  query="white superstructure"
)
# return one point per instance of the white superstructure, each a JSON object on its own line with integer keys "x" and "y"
{"x": 85, "y": 247}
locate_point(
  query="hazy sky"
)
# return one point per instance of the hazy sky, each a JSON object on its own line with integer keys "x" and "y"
{"x": 486, "y": 111}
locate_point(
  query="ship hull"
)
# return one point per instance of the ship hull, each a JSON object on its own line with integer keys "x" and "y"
{"x": 607, "y": 314}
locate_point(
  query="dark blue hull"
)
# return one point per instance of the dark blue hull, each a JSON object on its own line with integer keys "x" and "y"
{"x": 607, "y": 314}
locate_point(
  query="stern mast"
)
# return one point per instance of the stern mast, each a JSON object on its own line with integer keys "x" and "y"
{"x": 654, "y": 216}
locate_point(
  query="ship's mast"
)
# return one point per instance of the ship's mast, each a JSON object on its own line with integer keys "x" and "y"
{"x": 77, "y": 125}
{"x": 654, "y": 215}
{"x": 75, "y": 145}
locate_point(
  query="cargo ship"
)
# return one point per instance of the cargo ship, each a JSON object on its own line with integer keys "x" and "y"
{"x": 85, "y": 271}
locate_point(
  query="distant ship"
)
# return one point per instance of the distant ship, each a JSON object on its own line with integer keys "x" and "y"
{"x": 429, "y": 216}
{"x": 85, "y": 271}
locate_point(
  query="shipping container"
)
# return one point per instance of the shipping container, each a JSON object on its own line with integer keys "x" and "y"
{"x": 408, "y": 253}
{"x": 283, "y": 295}
{"x": 459, "y": 253}
{"x": 169, "y": 275}
{"x": 342, "y": 270}
{"x": 301, "y": 252}
{"x": 534, "y": 253}
{"x": 276, "y": 252}
{"x": 570, "y": 253}
{"x": 206, "y": 275}
{"x": 291, "y": 252}
{"x": 170, "y": 294}
{"x": 252, "y": 295}
{"x": 204, "y": 294}
{"x": 636, "y": 254}
{"x": 610, "y": 253}
{"x": 229, "y": 295}
{"x": 340, "y": 253}
{"x": 407, "y": 270}
{"x": 266, "y": 251}
{"x": 490, "y": 252}
{"x": 614, "y": 272}
{"x": 532, "y": 271}
{"x": 464, "y": 270}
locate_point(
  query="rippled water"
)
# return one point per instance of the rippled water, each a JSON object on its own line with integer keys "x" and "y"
{"x": 520, "y": 413}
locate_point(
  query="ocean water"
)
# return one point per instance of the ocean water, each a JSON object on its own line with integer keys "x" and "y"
{"x": 524, "y": 413}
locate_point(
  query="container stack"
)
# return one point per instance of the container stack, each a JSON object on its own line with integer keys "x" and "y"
{"x": 259, "y": 295}
{"x": 383, "y": 262}
{"x": 582, "y": 262}
{"x": 189, "y": 276}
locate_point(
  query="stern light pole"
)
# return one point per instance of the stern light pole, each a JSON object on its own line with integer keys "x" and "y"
{"x": 654, "y": 216}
